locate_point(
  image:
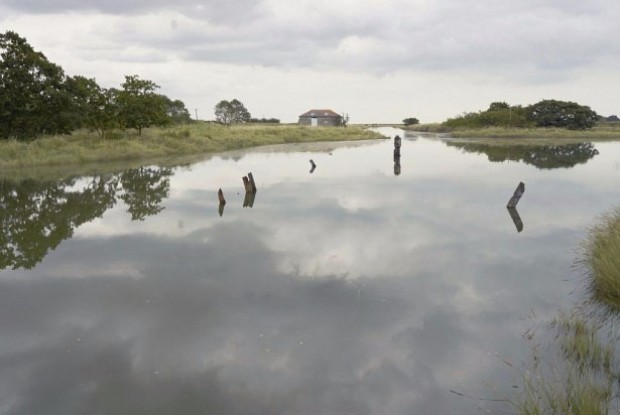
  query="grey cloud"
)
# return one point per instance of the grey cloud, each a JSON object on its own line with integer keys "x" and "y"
{"x": 530, "y": 39}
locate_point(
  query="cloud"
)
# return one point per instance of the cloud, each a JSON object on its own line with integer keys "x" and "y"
{"x": 442, "y": 57}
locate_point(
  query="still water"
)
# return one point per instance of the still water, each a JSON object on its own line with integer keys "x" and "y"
{"x": 346, "y": 290}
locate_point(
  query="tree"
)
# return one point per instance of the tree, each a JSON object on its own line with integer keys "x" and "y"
{"x": 33, "y": 95}
{"x": 231, "y": 112}
{"x": 498, "y": 106}
{"x": 552, "y": 113}
{"x": 139, "y": 106}
{"x": 95, "y": 107}
{"x": 176, "y": 111}
{"x": 411, "y": 121}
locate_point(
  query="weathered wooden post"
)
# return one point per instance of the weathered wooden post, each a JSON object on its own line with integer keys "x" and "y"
{"x": 250, "y": 190}
{"x": 252, "y": 184}
{"x": 512, "y": 203}
{"x": 220, "y": 196}
{"x": 246, "y": 184}
{"x": 397, "y": 142}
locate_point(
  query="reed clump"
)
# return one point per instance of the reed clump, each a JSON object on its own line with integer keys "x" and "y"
{"x": 602, "y": 259}
{"x": 577, "y": 378}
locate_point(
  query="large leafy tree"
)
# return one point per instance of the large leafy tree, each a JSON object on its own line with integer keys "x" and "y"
{"x": 95, "y": 108}
{"x": 176, "y": 111}
{"x": 232, "y": 112}
{"x": 139, "y": 106}
{"x": 33, "y": 95}
{"x": 552, "y": 113}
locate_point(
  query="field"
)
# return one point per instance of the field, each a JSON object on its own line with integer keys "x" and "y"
{"x": 198, "y": 138}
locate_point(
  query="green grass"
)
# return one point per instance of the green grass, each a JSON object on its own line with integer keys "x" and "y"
{"x": 602, "y": 131}
{"x": 578, "y": 376}
{"x": 196, "y": 138}
{"x": 602, "y": 259}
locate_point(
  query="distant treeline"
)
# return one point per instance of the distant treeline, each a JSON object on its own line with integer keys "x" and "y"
{"x": 546, "y": 113}
{"x": 265, "y": 120}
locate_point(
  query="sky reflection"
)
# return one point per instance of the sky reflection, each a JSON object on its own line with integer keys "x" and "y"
{"x": 348, "y": 290}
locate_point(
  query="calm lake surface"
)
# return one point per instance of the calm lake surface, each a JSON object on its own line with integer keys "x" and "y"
{"x": 348, "y": 290}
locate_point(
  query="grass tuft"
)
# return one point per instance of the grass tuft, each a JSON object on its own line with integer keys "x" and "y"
{"x": 602, "y": 258}
{"x": 577, "y": 379}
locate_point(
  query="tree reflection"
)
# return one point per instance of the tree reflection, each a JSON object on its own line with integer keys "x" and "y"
{"x": 37, "y": 216}
{"x": 144, "y": 189}
{"x": 543, "y": 157}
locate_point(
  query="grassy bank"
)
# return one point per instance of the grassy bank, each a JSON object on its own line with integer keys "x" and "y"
{"x": 607, "y": 131}
{"x": 197, "y": 138}
{"x": 602, "y": 260}
{"x": 600, "y": 132}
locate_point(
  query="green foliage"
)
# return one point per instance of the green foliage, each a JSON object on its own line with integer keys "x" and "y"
{"x": 139, "y": 106}
{"x": 499, "y": 114}
{"x": 231, "y": 112}
{"x": 546, "y": 113}
{"x": 95, "y": 108}
{"x": 176, "y": 111}
{"x": 33, "y": 96}
{"x": 264, "y": 121}
{"x": 411, "y": 121}
{"x": 552, "y": 113}
{"x": 498, "y": 106}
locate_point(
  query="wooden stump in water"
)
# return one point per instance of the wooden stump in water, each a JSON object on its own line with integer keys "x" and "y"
{"x": 397, "y": 141}
{"x": 252, "y": 184}
{"x": 512, "y": 203}
{"x": 250, "y": 190}
{"x": 247, "y": 185}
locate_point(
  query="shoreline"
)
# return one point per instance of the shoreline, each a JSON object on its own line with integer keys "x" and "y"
{"x": 85, "y": 153}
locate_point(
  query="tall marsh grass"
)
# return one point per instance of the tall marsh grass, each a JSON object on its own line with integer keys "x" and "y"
{"x": 577, "y": 377}
{"x": 196, "y": 138}
{"x": 602, "y": 261}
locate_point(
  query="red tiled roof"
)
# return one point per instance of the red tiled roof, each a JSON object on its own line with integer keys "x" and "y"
{"x": 321, "y": 113}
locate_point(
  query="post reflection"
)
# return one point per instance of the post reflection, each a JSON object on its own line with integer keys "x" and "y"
{"x": 516, "y": 219}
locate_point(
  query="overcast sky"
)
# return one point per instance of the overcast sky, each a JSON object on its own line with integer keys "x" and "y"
{"x": 377, "y": 60}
